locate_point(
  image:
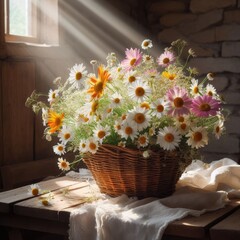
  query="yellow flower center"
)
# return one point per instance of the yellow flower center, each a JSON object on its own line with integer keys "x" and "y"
{"x": 128, "y": 130}
{"x": 160, "y": 108}
{"x": 147, "y": 58}
{"x": 169, "y": 137}
{"x": 139, "y": 91}
{"x": 57, "y": 121}
{"x": 67, "y": 135}
{"x": 92, "y": 146}
{"x": 131, "y": 79}
{"x": 181, "y": 119}
{"x": 124, "y": 116}
{"x": 183, "y": 126}
{"x": 205, "y": 107}
{"x": 45, "y": 202}
{"x": 35, "y": 191}
{"x": 101, "y": 134}
{"x": 166, "y": 60}
{"x": 54, "y": 95}
{"x": 132, "y": 62}
{"x": 196, "y": 90}
{"x": 210, "y": 93}
{"x": 171, "y": 76}
{"x": 178, "y": 102}
{"x": 145, "y": 105}
{"x": 60, "y": 148}
{"x": 116, "y": 100}
{"x": 83, "y": 145}
{"x": 98, "y": 87}
{"x": 142, "y": 139}
{"x": 197, "y": 136}
{"x": 78, "y": 76}
{"x": 139, "y": 118}
{"x": 145, "y": 44}
{"x": 63, "y": 164}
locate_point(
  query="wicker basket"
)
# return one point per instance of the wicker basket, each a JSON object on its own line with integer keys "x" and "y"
{"x": 120, "y": 170}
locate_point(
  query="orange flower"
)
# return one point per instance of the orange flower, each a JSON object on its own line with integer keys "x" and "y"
{"x": 55, "y": 121}
{"x": 98, "y": 84}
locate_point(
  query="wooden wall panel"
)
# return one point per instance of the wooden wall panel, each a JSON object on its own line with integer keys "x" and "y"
{"x": 18, "y": 82}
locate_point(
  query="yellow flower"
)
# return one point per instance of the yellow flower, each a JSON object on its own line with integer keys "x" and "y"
{"x": 55, "y": 121}
{"x": 170, "y": 76}
{"x": 99, "y": 84}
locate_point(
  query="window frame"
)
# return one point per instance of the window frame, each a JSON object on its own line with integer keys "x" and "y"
{"x": 38, "y": 31}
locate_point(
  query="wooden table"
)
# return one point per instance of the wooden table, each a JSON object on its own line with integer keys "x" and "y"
{"x": 20, "y": 212}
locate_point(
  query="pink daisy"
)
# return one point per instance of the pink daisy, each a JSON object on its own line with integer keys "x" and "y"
{"x": 204, "y": 106}
{"x": 179, "y": 101}
{"x": 166, "y": 59}
{"x": 133, "y": 58}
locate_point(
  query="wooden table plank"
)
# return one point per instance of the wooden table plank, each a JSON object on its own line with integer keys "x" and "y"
{"x": 197, "y": 227}
{"x": 8, "y": 198}
{"x": 228, "y": 228}
{"x": 33, "y": 224}
{"x": 76, "y": 195}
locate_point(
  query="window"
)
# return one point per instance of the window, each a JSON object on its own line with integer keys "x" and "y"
{"x": 33, "y": 21}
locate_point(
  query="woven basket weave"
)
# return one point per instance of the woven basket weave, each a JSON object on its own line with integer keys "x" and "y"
{"x": 119, "y": 170}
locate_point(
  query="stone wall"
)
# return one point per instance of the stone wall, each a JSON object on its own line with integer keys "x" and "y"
{"x": 212, "y": 29}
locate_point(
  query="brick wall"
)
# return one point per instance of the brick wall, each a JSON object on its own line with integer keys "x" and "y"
{"x": 212, "y": 29}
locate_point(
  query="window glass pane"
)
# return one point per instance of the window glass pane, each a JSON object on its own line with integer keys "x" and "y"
{"x": 20, "y": 17}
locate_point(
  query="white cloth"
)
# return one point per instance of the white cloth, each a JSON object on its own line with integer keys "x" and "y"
{"x": 198, "y": 191}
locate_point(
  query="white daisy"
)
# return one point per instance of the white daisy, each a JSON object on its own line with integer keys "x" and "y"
{"x": 92, "y": 145}
{"x": 128, "y": 131}
{"x": 34, "y": 189}
{"x": 147, "y": 43}
{"x": 197, "y": 137}
{"x": 130, "y": 77}
{"x": 77, "y": 76}
{"x": 195, "y": 88}
{"x": 183, "y": 123}
{"x": 81, "y": 118}
{"x": 88, "y": 109}
{"x": 65, "y": 135}
{"x": 118, "y": 126}
{"x": 147, "y": 59}
{"x": 59, "y": 149}
{"x": 160, "y": 107}
{"x": 182, "y": 127}
{"x": 116, "y": 99}
{"x": 143, "y": 140}
{"x": 63, "y": 164}
{"x": 138, "y": 118}
{"x": 83, "y": 148}
{"x": 52, "y": 95}
{"x": 168, "y": 138}
{"x": 211, "y": 90}
{"x": 218, "y": 129}
{"x": 101, "y": 132}
{"x": 139, "y": 91}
